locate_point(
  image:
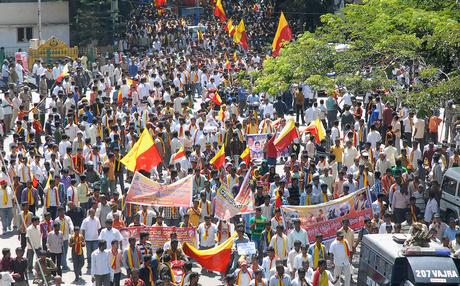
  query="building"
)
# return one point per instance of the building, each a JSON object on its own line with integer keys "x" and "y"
{"x": 19, "y": 22}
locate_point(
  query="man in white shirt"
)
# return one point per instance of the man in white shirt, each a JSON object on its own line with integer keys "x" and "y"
{"x": 349, "y": 154}
{"x": 206, "y": 233}
{"x": 341, "y": 256}
{"x": 280, "y": 242}
{"x": 33, "y": 235}
{"x": 6, "y": 207}
{"x": 100, "y": 268}
{"x": 373, "y": 137}
{"x": 90, "y": 230}
{"x": 109, "y": 234}
{"x": 298, "y": 233}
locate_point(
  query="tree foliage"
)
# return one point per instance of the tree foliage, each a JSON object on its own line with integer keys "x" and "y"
{"x": 378, "y": 36}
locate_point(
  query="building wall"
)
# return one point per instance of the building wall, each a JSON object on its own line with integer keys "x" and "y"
{"x": 55, "y": 22}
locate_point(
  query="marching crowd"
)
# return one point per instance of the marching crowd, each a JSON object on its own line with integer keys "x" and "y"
{"x": 63, "y": 187}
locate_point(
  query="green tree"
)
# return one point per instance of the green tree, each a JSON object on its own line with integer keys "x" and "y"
{"x": 374, "y": 38}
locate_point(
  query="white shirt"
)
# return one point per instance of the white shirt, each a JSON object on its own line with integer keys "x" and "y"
{"x": 91, "y": 227}
{"x": 391, "y": 153}
{"x": 245, "y": 277}
{"x": 340, "y": 256}
{"x": 291, "y": 259}
{"x": 277, "y": 243}
{"x": 68, "y": 226}
{"x": 430, "y": 210}
{"x": 373, "y": 137}
{"x": 34, "y": 235}
{"x": 349, "y": 155}
{"x": 300, "y": 259}
{"x": 419, "y": 128}
{"x": 300, "y": 235}
{"x": 268, "y": 264}
{"x": 6, "y": 279}
{"x": 110, "y": 235}
{"x": 209, "y": 240}
{"x": 100, "y": 262}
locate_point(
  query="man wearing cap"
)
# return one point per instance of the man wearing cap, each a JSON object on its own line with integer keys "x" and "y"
{"x": 340, "y": 250}
{"x": 6, "y": 205}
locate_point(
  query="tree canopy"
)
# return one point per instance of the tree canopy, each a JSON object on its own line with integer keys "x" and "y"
{"x": 359, "y": 47}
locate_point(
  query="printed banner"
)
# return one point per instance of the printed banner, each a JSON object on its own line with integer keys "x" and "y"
{"x": 225, "y": 206}
{"x": 159, "y": 235}
{"x": 144, "y": 191}
{"x": 327, "y": 218}
{"x": 245, "y": 196}
{"x": 256, "y": 143}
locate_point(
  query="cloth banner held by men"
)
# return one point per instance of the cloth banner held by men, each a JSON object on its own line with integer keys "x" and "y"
{"x": 144, "y": 191}
{"x": 159, "y": 235}
{"x": 326, "y": 218}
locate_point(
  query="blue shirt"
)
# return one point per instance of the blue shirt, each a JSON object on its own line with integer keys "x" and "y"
{"x": 450, "y": 233}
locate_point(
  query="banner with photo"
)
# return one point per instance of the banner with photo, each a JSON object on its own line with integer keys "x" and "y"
{"x": 159, "y": 235}
{"x": 326, "y": 218}
{"x": 256, "y": 143}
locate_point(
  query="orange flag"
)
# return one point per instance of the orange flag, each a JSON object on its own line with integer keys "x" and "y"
{"x": 214, "y": 259}
{"x": 219, "y": 159}
{"x": 143, "y": 155}
{"x": 287, "y": 135}
{"x": 246, "y": 156}
{"x": 283, "y": 34}
{"x": 240, "y": 37}
{"x": 219, "y": 11}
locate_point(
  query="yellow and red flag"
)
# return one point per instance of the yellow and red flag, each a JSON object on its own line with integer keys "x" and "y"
{"x": 120, "y": 98}
{"x": 240, "y": 37}
{"x": 316, "y": 128}
{"x": 246, "y": 156}
{"x": 159, "y": 3}
{"x": 227, "y": 62}
{"x": 179, "y": 154}
{"x": 143, "y": 155}
{"x": 287, "y": 135}
{"x": 219, "y": 11}
{"x": 283, "y": 34}
{"x": 215, "y": 259}
{"x": 235, "y": 57}
{"x": 229, "y": 27}
{"x": 216, "y": 98}
{"x": 219, "y": 159}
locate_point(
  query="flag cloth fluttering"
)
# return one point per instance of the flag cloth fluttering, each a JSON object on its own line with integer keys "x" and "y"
{"x": 230, "y": 28}
{"x": 283, "y": 34}
{"x": 143, "y": 155}
{"x": 219, "y": 159}
{"x": 316, "y": 128}
{"x": 287, "y": 135}
{"x": 246, "y": 156}
{"x": 215, "y": 97}
{"x": 219, "y": 11}
{"x": 214, "y": 259}
{"x": 240, "y": 37}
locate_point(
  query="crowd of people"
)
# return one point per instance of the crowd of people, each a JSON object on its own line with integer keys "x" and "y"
{"x": 62, "y": 184}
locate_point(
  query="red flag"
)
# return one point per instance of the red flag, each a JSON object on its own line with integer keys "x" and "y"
{"x": 219, "y": 11}
{"x": 283, "y": 34}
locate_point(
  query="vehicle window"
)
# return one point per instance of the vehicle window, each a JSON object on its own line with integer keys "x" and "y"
{"x": 388, "y": 269}
{"x": 371, "y": 258}
{"x": 381, "y": 266}
{"x": 364, "y": 252}
{"x": 449, "y": 185}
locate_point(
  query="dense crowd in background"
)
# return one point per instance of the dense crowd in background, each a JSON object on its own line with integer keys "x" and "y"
{"x": 62, "y": 185}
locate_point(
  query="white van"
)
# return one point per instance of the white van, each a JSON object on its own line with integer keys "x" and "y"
{"x": 450, "y": 200}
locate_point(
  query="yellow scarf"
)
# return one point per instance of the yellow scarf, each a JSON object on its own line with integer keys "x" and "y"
{"x": 30, "y": 197}
{"x": 173, "y": 277}
{"x": 276, "y": 246}
{"x": 152, "y": 281}
{"x": 239, "y": 277}
{"x": 5, "y": 197}
{"x": 130, "y": 257}
{"x": 63, "y": 226}
{"x": 308, "y": 201}
{"x": 365, "y": 179}
{"x": 205, "y": 235}
{"x": 324, "y": 279}
{"x": 114, "y": 259}
{"x": 280, "y": 281}
{"x": 325, "y": 199}
{"x": 316, "y": 252}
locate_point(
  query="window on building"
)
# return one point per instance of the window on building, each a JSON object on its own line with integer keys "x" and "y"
{"x": 24, "y": 34}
